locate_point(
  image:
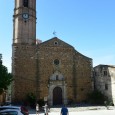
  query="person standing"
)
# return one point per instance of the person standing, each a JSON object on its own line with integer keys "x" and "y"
{"x": 46, "y": 109}
{"x": 37, "y": 109}
{"x": 64, "y": 111}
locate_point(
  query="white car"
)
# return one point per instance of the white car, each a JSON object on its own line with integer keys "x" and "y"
{"x": 11, "y": 112}
{"x": 22, "y": 109}
{"x": 9, "y": 107}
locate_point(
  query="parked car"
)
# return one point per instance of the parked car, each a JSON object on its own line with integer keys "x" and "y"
{"x": 7, "y": 103}
{"x": 22, "y": 109}
{"x": 11, "y": 112}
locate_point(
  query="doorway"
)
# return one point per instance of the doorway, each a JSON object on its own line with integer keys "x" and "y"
{"x": 57, "y": 96}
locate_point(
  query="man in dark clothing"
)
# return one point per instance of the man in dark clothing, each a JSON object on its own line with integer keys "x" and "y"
{"x": 64, "y": 111}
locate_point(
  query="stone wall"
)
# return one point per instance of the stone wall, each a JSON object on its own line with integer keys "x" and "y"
{"x": 105, "y": 80}
{"x": 33, "y": 67}
{"x": 24, "y": 71}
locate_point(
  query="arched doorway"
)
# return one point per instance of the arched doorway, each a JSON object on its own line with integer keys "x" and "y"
{"x": 57, "y": 96}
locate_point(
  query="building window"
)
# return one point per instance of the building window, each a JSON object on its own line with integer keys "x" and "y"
{"x": 105, "y": 73}
{"x": 106, "y": 86}
{"x": 95, "y": 73}
{"x": 25, "y": 3}
{"x": 55, "y": 43}
{"x": 56, "y": 77}
{"x": 56, "y": 62}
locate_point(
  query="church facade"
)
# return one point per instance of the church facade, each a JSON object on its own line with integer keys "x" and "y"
{"x": 52, "y": 70}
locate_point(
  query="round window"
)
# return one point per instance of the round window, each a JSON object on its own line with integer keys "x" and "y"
{"x": 56, "y": 62}
{"x": 56, "y": 43}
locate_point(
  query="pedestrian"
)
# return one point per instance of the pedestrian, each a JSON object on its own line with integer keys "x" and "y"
{"x": 46, "y": 109}
{"x": 64, "y": 110}
{"x": 37, "y": 109}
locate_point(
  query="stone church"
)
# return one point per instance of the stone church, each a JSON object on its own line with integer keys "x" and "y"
{"x": 52, "y": 70}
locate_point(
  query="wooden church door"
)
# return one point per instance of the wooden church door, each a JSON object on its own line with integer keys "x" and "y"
{"x": 57, "y": 96}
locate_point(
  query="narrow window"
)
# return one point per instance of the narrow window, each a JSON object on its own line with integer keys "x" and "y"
{"x": 56, "y": 77}
{"x": 105, "y": 73}
{"x": 95, "y": 73}
{"x": 106, "y": 86}
{"x": 25, "y": 3}
{"x": 56, "y": 62}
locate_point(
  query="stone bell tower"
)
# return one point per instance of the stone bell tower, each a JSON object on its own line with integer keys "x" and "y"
{"x": 24, "y": 21}
{"x": 23, "y": 48}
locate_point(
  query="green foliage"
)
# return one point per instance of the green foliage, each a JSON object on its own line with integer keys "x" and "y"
{"x": 31, "y": 98}
{"x": 5, "y": 78}
{"x": 41, "y": 102}
{"x": 108, "y": 103}
{"x": 96, "y": 97}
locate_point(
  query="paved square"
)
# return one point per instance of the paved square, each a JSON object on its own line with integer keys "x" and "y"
{"x": 90, "y": 112}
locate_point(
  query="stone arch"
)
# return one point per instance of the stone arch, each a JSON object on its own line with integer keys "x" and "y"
{"x": 57, "y": 84}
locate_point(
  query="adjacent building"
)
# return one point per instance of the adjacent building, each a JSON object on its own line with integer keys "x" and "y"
{"x": 104, "y": 80}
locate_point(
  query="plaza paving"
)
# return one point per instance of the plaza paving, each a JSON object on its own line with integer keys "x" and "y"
{"x": 81, "y": 111}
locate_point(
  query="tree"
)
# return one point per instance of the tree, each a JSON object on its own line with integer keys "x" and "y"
{"x": 96, "y": 97}
{"x": 31, "y": 99}
{"x": 5, "y": 78}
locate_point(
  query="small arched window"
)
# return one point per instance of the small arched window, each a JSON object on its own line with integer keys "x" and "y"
{"x": 25, "y": 3}
{"x": 56, "y": 77}
{"x": 56, "y": 62}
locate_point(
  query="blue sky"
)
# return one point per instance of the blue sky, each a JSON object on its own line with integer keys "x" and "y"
{"x": 87, "y": 25}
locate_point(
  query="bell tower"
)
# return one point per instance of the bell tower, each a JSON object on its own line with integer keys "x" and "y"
{"x": 24, "y": 22}
{"x": 23, "y": 49}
